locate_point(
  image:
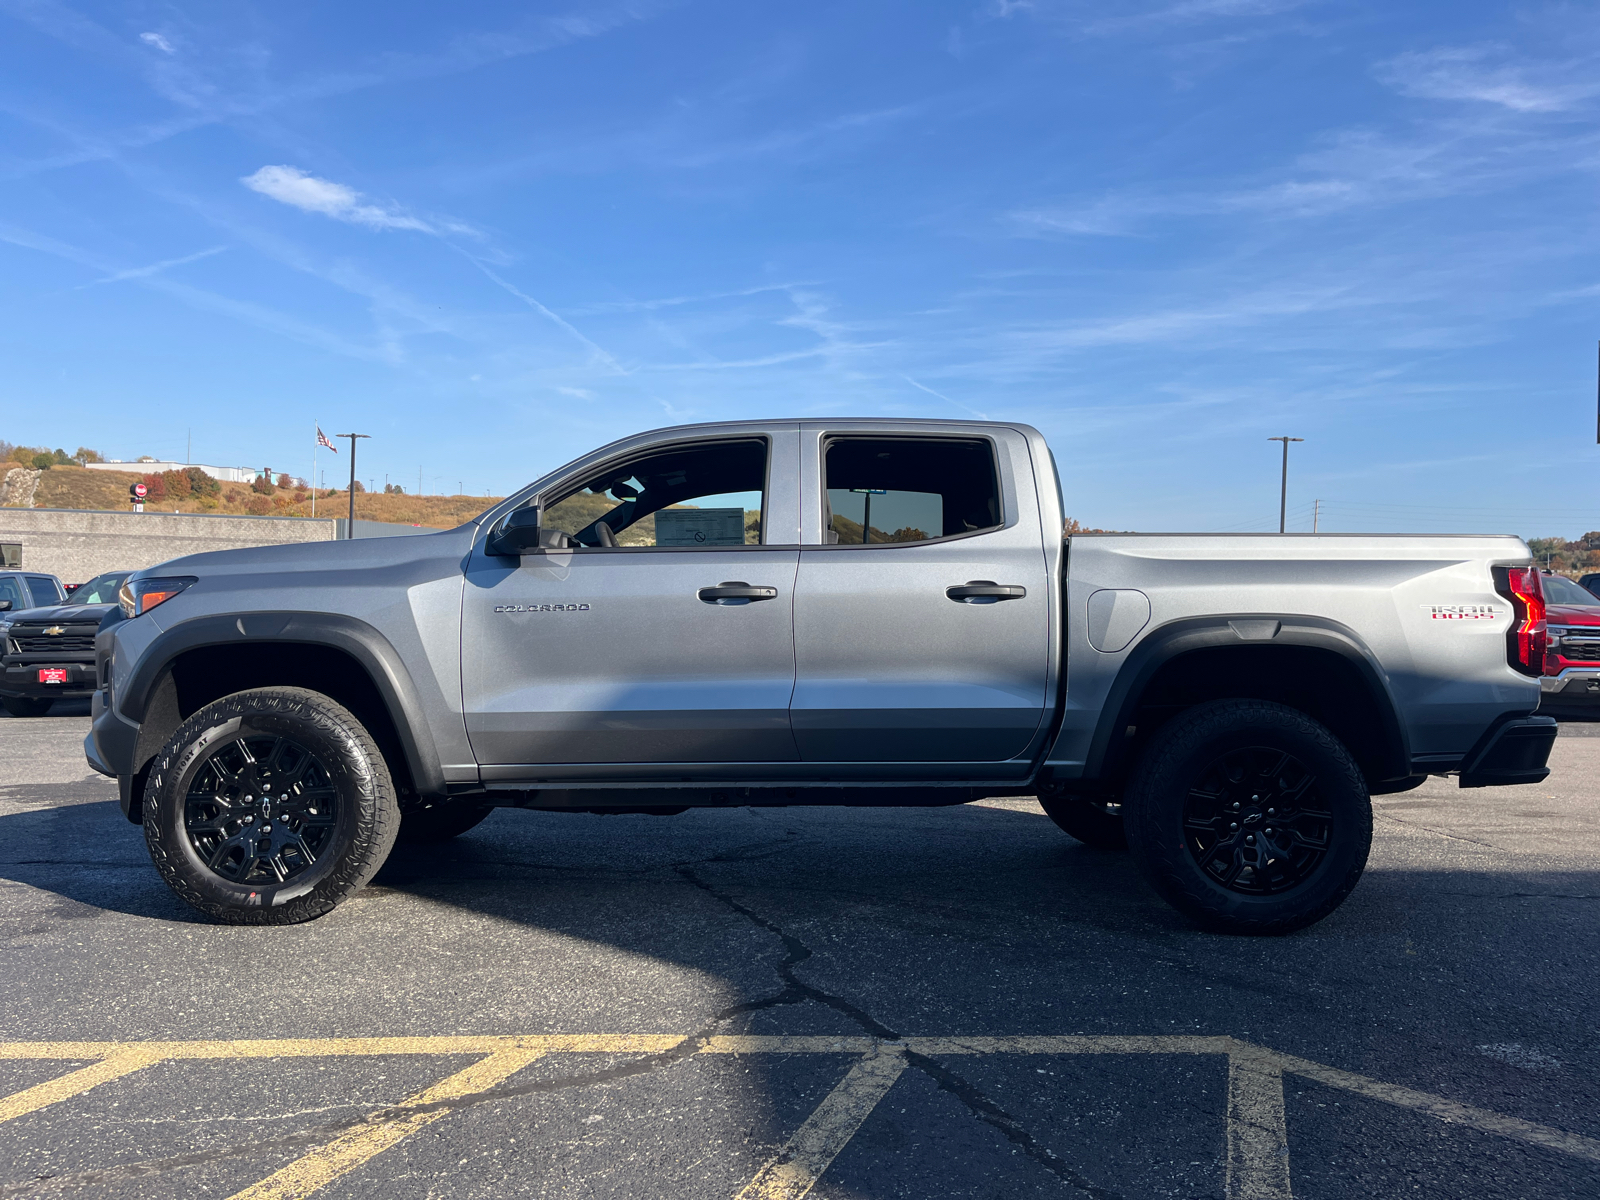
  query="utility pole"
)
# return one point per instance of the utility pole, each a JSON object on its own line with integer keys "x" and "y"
{"x": 1283, "y": 491}
{"x": 1316, "y": 513}
{"x": 350, "y": 531}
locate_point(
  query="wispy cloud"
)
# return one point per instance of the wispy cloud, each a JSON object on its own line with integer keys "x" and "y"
{"x": 922, "y": 387}
{"x": 230, "y": 89}
{"x": 153, "y": 268}
{"x": 1189, "y": 12}
{"x": 294, "y": 187}
{"x": 246, "y": 311}
{"x": 627, "y": 306}
{"x": 1472, "y": 73}
{"x": 600, "y": 353}
{"x": 1350, "y": 169}
{"x": 1089, "y": 18}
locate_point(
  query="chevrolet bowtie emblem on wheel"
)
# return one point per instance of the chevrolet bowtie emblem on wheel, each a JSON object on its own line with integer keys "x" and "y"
{"x": 54, "y": 630}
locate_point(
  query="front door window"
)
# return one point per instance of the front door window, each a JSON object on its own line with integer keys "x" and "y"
{"x": 711, "y": 494}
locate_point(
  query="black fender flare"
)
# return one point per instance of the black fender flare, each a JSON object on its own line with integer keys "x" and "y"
{"x": 369, "y": 648}
{"x": 1166, "y": 642}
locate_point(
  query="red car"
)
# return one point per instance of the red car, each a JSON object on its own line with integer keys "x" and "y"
{"x": 1571, "y": 683}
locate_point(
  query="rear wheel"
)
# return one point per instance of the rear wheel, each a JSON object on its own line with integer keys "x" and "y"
{"x": 1093, "y": 821}
{"x": 1249, "y": 817}
{"x": 21, "y": 706}
{"x": 426, "y": 826}
{"x": 269, "y": 807}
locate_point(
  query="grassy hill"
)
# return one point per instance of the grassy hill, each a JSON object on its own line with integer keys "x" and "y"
{"x": 79, "y": 488}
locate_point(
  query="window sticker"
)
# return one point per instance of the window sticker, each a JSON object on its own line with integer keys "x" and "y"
{"x": 700, "y": 527}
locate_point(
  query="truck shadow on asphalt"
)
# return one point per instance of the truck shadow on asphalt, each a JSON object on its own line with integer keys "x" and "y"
{"x": 886, "y": 923}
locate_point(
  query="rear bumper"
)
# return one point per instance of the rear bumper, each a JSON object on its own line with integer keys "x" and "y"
{"x": 1514, "y": 752}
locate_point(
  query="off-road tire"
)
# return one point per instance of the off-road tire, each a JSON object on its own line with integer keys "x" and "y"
{"x": 1082, "y": 818}
{"x": 429, "y": 826}
{"x": 23, "y": 706}
{"x": 367, "y": 816}
{"x": 1175, "y": 761}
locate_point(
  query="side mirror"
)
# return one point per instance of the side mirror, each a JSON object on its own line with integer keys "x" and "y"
{"x": 521, "y": 534}
{"x": 5, "y": 606}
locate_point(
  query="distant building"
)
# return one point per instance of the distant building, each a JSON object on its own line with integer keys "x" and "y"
{"x": 221, "y": 474}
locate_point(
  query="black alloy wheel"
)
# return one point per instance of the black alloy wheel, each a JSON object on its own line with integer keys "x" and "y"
{"x": 1248, "y": 817}
{"x": 1255, "y": 823}
{"x": 260, "y": 809}
{"x": 269, "y": 807}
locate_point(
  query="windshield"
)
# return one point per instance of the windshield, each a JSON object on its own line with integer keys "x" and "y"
{"x": 1558, "y": 589}
{"x": 102, "y": 589}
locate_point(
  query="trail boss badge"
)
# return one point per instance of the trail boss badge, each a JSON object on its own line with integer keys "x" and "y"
{"x": 1462, "y": 612}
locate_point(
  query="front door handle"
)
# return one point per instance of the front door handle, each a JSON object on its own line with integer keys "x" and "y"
{"x": 985, "y": 591}
{"x": 736, "y": 592}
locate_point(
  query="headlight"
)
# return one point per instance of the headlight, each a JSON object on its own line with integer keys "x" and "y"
{"x": 139, "y": 596}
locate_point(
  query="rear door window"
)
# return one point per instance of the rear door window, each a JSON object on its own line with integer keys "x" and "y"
{"x": 44, "y": 590}
{"x": 898, "y": 490}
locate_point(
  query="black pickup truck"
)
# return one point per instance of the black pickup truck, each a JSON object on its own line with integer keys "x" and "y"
{"x": 47, "y": 654}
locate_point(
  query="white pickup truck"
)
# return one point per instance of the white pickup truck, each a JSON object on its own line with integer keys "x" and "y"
{"x": 867, "y": 612}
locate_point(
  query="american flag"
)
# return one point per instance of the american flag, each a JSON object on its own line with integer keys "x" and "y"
{"x": 322, "y": 440}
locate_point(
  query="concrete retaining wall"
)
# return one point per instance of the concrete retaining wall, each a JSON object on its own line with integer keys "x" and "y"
{"x": 80, "y": 545}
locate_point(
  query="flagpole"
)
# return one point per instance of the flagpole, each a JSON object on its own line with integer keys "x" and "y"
{"x": 315, "y": 429}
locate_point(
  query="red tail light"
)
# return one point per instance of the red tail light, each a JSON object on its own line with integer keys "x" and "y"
{"x": 1527, "y": 639}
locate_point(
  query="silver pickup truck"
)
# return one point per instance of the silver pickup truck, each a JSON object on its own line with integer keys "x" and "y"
{"x": 860, "y": 612}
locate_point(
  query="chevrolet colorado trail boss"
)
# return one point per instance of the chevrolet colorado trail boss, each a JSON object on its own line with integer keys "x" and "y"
{"x": 859, "y": 612}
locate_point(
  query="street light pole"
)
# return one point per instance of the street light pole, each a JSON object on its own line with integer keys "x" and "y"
{"x": 1283, "y": 490}
{"x": 350, "y": 528}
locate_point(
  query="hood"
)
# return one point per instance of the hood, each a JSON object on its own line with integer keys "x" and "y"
{"x": 318, "y": 556}
{"x": 1572, "y": 614}
{"x": 62, "y": 614}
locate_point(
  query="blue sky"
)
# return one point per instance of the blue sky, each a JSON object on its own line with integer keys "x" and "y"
{"x": 494, "y": 236}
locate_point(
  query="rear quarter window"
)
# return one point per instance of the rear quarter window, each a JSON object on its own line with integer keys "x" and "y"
{"x": 45, "y": 591}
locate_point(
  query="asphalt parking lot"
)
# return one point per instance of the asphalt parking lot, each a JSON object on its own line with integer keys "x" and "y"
{"x": 754, "y": 1003}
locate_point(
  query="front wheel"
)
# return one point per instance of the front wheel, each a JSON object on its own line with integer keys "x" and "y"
{"x": 269, "y": 807}
{"x": 1249, "y": 817}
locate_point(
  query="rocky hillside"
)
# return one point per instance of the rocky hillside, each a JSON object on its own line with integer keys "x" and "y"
{"x": 72, "y": 486}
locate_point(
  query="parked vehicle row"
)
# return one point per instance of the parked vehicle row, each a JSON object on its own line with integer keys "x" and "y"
{"x": 47, "y": 649}
{"x": 1571, "y": 682}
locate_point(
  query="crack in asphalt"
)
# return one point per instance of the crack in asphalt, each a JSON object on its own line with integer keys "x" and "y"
{"x": 979, "y": 1105}
{"x": 1454, "y": 837}
{"x": 794, "y": 991}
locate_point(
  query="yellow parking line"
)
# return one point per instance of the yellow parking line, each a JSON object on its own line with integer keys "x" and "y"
{"x": 574, "y": 1043}
{"x": 1075, "y": 1044}
{"x": 1258, "y": 1134}
{"x": 829, "y": 1129}
{"x": 1446, "y": 1110}
{"x": 1258, "y": 1163}
{"x": 119, "y": 1063}
{"x": 350, "y": 1150}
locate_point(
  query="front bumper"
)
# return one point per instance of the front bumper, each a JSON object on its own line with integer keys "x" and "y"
{"x": 111, "y": 747}
{"x": 1572, "y": 686}
{"x": 22, "y": 679}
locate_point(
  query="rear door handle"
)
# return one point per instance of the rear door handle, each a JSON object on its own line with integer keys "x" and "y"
{"x": 736, "y": 592}
{"x": 985, "y": 591}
